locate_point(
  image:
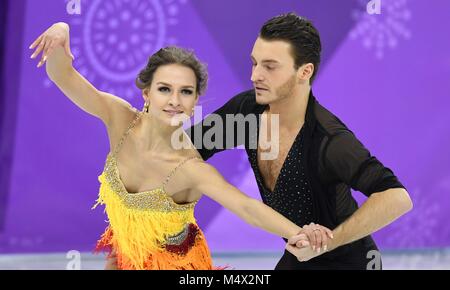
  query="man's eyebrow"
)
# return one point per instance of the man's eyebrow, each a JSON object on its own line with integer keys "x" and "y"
{"x": 269, "y": 61}
{"x": 265, "y": 60}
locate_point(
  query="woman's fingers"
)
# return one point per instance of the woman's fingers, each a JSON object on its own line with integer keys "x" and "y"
{"x": 318, "y": 236}
{"x": 321, "y": 237}
{"x": 49, "y": 51}
{"x": 47, "y": 41}
{"x": 39, "y": 48}
{"x": 311, "y": 236}
{"x": 44, "y": 55}
{"x": 36, "y": 42}
{"x": 326, "y": 235}
{"x": 329, "y": 233}
{"x": 67, "y": 49}
{"x": 316, "y": 233}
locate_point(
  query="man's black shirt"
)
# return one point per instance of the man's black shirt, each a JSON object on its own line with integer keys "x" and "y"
{"x": 330, "y": 161}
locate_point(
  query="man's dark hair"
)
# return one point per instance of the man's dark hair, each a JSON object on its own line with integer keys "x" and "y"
{"x": 300, "y": 33}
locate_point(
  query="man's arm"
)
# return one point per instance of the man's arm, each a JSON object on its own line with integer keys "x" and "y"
{"x": 379, "y": 210}
{"x": 350, "y": 162}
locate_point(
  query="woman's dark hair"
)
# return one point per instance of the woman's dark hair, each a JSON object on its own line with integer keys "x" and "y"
{"x": 300, "y": 33}
{"x": 173, "y": 55}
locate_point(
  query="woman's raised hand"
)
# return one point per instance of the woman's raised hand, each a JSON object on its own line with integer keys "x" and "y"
{"x": 57, "y": 34}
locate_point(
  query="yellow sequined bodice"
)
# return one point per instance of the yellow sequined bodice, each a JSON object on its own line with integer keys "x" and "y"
{"x": 149, "y": 230}
{"x": 155, "y": 199}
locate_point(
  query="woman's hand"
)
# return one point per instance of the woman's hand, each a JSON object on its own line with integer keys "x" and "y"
{"x": 303, "y": 254}
{"x": 54, "y": 44}
{"x": 56, "y": 35}
{"x": 317, "y": 237}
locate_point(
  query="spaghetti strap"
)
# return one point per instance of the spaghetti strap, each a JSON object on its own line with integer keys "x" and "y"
{"x": 127, "y": 131}
{"x": 173, "y": 171}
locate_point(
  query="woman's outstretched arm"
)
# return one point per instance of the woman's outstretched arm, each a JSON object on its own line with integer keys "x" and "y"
{"x": 54, "y": 44}
{"x": 206, "y": 179}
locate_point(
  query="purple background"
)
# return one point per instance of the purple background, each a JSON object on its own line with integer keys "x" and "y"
{"x": 386, "y": 76}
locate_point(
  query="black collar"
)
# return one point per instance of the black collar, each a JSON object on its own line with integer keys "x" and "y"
{"x": 310, "y": 118}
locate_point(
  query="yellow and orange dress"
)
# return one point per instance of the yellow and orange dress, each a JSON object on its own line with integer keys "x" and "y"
{"x": 148, "y": 230}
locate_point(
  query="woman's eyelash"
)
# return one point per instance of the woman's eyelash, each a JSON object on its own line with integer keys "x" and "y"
{"x": 166, "y": 89}
{"x": 161, "y": 89}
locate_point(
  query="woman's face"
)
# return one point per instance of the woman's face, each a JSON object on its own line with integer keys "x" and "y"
{"x": 172, "y": 94}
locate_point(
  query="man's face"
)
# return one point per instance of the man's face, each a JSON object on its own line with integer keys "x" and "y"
{"x": 273, "y": 72}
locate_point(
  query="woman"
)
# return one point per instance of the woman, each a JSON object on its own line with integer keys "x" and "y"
{"x": 149, "y": 188}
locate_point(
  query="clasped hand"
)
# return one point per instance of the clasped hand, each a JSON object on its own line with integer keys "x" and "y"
{"x": 310, "y": 242}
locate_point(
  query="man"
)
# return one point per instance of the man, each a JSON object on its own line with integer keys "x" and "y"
{"x": 319, "y": 159}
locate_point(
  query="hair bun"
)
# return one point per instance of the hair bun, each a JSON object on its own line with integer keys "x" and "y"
{"x": 140, "y": 83}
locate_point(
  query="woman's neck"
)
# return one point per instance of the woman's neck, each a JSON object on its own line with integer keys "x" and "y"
{"x": 156, "y": 136}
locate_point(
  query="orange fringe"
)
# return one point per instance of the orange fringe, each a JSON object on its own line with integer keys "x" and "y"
{"x": 197, "y": 258}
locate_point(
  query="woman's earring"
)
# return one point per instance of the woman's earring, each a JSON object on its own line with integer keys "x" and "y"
{"x": 192, "y": 114}
{"x": 146, "y": 107}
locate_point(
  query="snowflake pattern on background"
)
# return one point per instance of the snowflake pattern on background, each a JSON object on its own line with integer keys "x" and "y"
{"x": 379, "y": 31}
{"x": 112, "y": 40}
{"x": 417, "y": 228}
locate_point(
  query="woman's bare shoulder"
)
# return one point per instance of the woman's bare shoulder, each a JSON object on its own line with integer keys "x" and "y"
{"x": 120, "y": 121}
{"x": 198, "y": 171}
{"x": 123, "y": 115}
